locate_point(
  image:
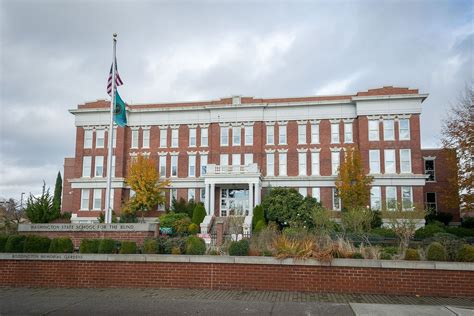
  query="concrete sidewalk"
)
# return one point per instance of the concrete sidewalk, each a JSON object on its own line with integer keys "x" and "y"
{"x": 28, "y": 301}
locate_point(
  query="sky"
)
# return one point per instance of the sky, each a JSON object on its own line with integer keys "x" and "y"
{"x": 55, "y": 55}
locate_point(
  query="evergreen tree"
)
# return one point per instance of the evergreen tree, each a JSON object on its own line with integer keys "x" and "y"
{"x": 40, "y": 209}
{"x": 58, "y": 189}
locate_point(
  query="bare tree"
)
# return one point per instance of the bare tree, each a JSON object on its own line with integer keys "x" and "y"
{"x": 11, "y": 214}
{"x": 458, "y": 134}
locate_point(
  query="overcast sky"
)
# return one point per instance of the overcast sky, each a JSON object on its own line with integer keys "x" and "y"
{"x": 56, "y": 54}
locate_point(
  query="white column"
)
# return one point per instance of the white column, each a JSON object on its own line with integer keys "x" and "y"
{"x": 212, "y": 196}
{"x": 258, "y": 193}
{"x": 206, "y": 199}
{"x": 251, "y": 185}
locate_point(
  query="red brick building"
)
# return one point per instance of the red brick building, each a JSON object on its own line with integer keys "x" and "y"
{"x": 227, "y": 152}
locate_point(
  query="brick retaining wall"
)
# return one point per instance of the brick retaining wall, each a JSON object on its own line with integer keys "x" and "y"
{"x": 244, "y": 273}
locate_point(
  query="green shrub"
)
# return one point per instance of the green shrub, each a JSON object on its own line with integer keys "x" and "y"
{"x": 3, "y": 242}
{"x": 36, "y": 244}
{"x": 428, "y": 231}
{"x": 175, "y": 251}
{"x": 376, "y": 220}
{"x": 199, "y": 213}
{"x": 384, "y": 232}
{"x": 166, "y": 244}
{"x": 128, "y": 247}
{"x": 195, "y": 246}
{"x": 390, "y": 250}
{"x": 441, "y": 217}
{"x": 466, "y": 253}
{"x": 150, "y": 246}
{"x": 357, "y": 255}
{"x": 295, "y": 233}
{"x": 280, "y": 205}
{"x": 239, "y": 248}
{"x": 178, "y": 221}
{"x": 385, "y": 256}
{"x": 467, "y": 222}
{"x": 89, "y": 246}
{"x": 107, "y": 246}
{"x": 15, "y": 243}
{"x": 181, "y": 226}
{"x": 461, "y": 231}
{"x": 412, "y": 254}
{"x": 260, "y": 225}
{"x": 258, "y": 215}
{"x": 61, "y": 245}
{"x": 193, "y": 229}
{"x": 451, "y": 243}
{"x": 436, "y": 252}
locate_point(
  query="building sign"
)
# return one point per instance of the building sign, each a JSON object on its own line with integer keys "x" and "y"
{"x": 126, "y": 227}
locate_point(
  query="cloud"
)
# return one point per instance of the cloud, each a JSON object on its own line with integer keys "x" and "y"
{"x": 340, "y": 86}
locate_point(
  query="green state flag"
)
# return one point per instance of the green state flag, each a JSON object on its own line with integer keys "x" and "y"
{"x": 120, "y": 115}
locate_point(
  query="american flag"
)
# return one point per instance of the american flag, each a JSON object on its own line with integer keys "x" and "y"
{"x": 118, "y": 80}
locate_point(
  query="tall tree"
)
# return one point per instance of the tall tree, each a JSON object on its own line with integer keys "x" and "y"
{"x": 458, "y": 134}
{"x": 40, "y": 209}
{"x": 353, "y": 183}
{"x": 58, "y": 189}
{"x": 11, "y": 214}
{"x": 144, "y": 180}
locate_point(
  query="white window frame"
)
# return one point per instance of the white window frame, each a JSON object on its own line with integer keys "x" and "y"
{"x": 236, "y": 158}
{"x": 99, "y": 163}
{"x": 163, "y": 138}
{"x": 174, "y": 165}
{"x": 302, "y": 164}
{"x": 174, "y": 194}
{"x": 336, "y": 200}
{"x": 248, "y": 132}
{"x": 315, "y": 165}
{"x": 191, "y": 194}
{"x": 316, "y": 193}
{"x": 236, "y": 136}
{"x": 224, "y": 136}
{"x": 146, "y": 138}
{"x": 335, "y": 139}
{"x": 100, "y": 135}
{"x": 163, "y": 166}
{"x": 224, "y": 159}
{"x": 203, "y": 165}
{"x": 374, "y": 161}
{"x": 85, "y": 196}
{"x": 114, "y": 159}
{"x": 97, "y": 199}
{"x": 404, "y": 135}
{"x": 376, "y": 198}
{"x": 270, "y": 134}
{"x": 174, "y": 138}
{"x": 348, "y": 135}
{"x": 314, "y": 133}
{"x": 88, "y": 137}
{"x": 301, "y": 134}
{"x": 405, "y": 161}
{"x": 282, "y": 164}
{"x": 374, "y": 130}
{"x": 248, "y": 159}
{"x": 86, "y": 166}
{"x": 303, "y": 191}
{"x": 404, "y": 200}
{"x": 387, "y": 154}
{"x": 388, "y": 197}
{"x": 134, "y": 144}
{"x": 192, "y": 166}
{"x": 204, "y": 137}
{"x": 114, "y": 138}
{"x": 335, "y": 162}
{"x": 389, "y": 129}
{"x": 192, "y": 137}
{"x": 282, "y": 139}
{"x": 270, "y": 164}
{"x": 434, "y": 169}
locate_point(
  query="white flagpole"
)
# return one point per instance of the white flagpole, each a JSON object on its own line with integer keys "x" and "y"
{"x": 108, "y": 210}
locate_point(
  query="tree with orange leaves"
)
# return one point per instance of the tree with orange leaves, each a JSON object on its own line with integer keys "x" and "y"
{"x": 144, "y": 180}
{"x": 352, "y": 183}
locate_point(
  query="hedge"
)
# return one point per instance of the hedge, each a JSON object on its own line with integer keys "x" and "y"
{"x": 36, "y": 244}
{"x": 89, "y": 246}
{"x": 107, "y": 246}
{"x": 15, "y": 243}
{"x": 195, "y": 246}
{"x": 128, "y": 247}
{"x": 61, "y": 245}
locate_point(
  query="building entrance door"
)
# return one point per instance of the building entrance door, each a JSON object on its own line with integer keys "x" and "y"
{"x": 234, "y": 202}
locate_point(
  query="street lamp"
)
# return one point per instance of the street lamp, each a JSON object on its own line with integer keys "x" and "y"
{"x": 21, "y": 200}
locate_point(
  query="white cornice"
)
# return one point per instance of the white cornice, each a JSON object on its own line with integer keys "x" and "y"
{"x": 269, "y": 151}
{"x": 302, "y": 150}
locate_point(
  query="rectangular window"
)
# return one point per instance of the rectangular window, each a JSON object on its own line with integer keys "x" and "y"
{"x": 192, "y": 166}
{"x": 99, "y": 138}
{"x": 405, "y": 161}
{"x": 430, "y": 170}
{"x": 315, "y": 164}
{"x": 347, "y": 132}
{"x": 134, "y": 138}
{"x": 236, "y": 159}
{"x": 248, "y": 159}
{"x": 282, "y": 164}
{"x": 431, "y": 202}
{"x": 163, "y": 166}
{"x": 146, "y": 138}
{"x": 407, "y": 198}
{"x": 204, "y": 137}
{"x": 236, "y": 131}
{"x": 301, "y": 134}
{"x": 192, "y": 137}
{"x": 335, "y": 133}
{"x": 112, "y": 193}
{"x": 270, "y": 134}
{"x": 302, "y": 164}
{"x": 99, "y": 166}
{"x": 191, "y": 194}
{"x": 391, "y": 197}
{"x": 303, "y": 191}
{"x": 270, "y": 164}
{"x": 174, "y": 194}
{"x": 388, "y": 130}
{"x": 163, "y": 138}
{"x": 203, "y": 195}
{"x": 203, "y": 165}
{"x": 224, "y": 136}
{"x": 113, "y": 166}
{"x": 390, "y": 164}
{"x": 174, "y": 165}
{"x": 374, "y": 157}
{"x": 282, "y": 134}
{"x": 314, "y": 133}
{"x": 88, "y": 138}
{"x": 375, "y": 198}
{"x": 224, "y": 159}
{"x": 85, "y": 199}
{"x": 404, "y": 129}
{"x": 248, "y": 135}
{"x": 86, "y": 166}
{"x": 335, "y": 160}
{"x": 336, "y": 200}
{"x": 174, "y": 138}
{"x": 97, "y": 205}
{"x": 316, "y": 193}
{"x": 374, "y": 134}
